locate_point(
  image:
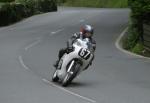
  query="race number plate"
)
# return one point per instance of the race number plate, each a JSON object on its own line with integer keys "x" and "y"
{"x": 84, "y": 53}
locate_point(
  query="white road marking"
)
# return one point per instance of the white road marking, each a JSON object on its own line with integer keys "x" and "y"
{"x": 57, "y": 31}
{"x": 39, "y": 39}
{"x": 70, "y": 92}
{"x": 33, "y": 44}
{"x": 22, "y": 63}
{"x": 82, "y": 20}
{"x": 118, "y": 46}
{"x": 117, "y": 43}
{"x": 61, "y": 88}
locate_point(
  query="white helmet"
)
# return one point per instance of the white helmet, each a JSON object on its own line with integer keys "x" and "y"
{"x": 87, "y": 30}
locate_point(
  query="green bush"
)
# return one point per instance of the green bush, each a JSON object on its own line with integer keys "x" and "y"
{"x": 31, "y": 6}
{"x": 7, "y": 0}
{"x": 13, "y": 12}
{"x": 140, "y": 13}
{"x": 10, "y": 13}
{"x": 95, "y": 3}
{"x": 47, "y": 5}
{"x": 61, "y": 2}
{"x": 130, "y": 41}
{"x": 37, "y": 6}
{"x": 138, "y": 48}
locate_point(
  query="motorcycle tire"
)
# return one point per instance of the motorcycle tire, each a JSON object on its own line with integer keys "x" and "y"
{"x": 69, "y": 77}
{"x": 55, "y": 77}
{"x": 66, "y": 80}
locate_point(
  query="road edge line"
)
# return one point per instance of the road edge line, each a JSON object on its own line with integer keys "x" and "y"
{"x": 33, "y": 44}
{"x": 119, "y": 46}
{"x": 22, "y": 63}
{"x": 69, "y": 92}
{"x": 60, "y": 88}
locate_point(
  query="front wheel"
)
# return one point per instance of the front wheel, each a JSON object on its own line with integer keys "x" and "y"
{"x": 69, "y": 76}
{"x": 55, "y": 77}
{"x": 67, "y": 80}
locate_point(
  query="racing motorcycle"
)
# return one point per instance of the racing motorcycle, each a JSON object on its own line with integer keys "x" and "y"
{"x": 73, "y": 63}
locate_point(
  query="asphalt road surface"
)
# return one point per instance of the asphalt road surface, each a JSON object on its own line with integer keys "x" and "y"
{"x": 29, "y": 48}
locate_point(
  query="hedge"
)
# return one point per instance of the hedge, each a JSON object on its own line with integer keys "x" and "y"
{"x": 94, "y": 3}
{"x": 10, "y": 13}
{"x": 39, "y": 5}
{"x": 7, "y": 0}
{"x": 140, "y": 13}
{"x": 13, "y": 12}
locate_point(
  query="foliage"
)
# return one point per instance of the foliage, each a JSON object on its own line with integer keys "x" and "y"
{"x": 13, "y": 12}
{"x": 47, "y": 5}
{"x": 140, "y": 13}
{"x": 94, "y": 3}
{"x": 1, "y": 4}
{"x": 7, "y": 0}
{"x": 36, "y": 6}
{"x": 80, "y": 3}
{"x": 138, "y": 48}
{"x": 139, "y": 7}
{"x": 130, "y": 41}
{"x": 114, "y": 3}
{"x": 60, "y": 2}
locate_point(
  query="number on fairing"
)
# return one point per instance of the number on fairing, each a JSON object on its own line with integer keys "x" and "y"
{"x": 84, "y": 53}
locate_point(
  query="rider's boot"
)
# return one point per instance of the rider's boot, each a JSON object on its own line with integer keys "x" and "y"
{"x": 90, "y": 63}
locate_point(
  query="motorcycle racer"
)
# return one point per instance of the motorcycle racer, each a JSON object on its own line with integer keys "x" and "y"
{"x": 85, "y": 32}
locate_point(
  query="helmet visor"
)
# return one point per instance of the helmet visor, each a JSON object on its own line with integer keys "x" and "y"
{"x": 88, "y": 34}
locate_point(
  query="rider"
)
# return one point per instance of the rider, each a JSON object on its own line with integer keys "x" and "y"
{"x": 85, "y": 32}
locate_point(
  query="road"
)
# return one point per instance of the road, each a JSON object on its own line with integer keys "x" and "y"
{"x": 29, "y": 48}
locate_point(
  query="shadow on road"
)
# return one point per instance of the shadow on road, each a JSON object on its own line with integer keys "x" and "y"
{"x": 82, "y": 84}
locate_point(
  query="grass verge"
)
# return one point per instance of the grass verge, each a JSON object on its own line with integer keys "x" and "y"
{"x": 97, "y": 3}
{"x": 133, "y": 46}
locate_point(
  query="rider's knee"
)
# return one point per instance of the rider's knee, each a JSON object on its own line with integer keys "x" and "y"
{"x": 61, "y": 52}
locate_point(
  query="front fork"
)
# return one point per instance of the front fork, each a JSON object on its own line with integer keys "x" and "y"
{"x": 70, "y": 66}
